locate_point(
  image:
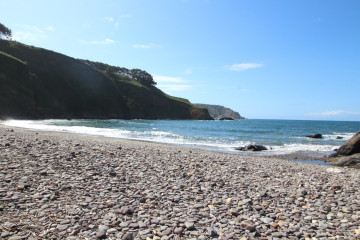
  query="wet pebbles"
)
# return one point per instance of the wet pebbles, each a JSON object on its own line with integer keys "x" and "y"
{"x": 63, "y": 186}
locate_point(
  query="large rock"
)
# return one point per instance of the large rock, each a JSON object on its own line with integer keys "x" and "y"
{"x": 252, "y": 147}
{"x": 352, "y": 146}
{"x": 348, "y": 155}
{"x": 318, "y": 135}
{"x": 347, "y": 161}
{"x": 225, "y": 118}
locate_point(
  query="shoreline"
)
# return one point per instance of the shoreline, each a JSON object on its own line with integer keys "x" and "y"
{"x": 306, "y": 156}
{"x": 70, "y": 186}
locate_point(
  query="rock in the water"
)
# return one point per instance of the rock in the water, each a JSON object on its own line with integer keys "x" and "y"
{"x": 252, "y": 147}
{"x": 318, "y": 135}
{"x": 352, "y": 146}
{"x": 225, "y": 118}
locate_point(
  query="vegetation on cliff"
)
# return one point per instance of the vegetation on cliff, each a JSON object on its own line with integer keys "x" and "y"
{"x": 5, "y": 32}
{"x": 38, "y": 83}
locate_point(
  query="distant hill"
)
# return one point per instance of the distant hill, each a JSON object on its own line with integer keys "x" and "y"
{"x": 36, "y": 83}
{"x": 217, "y": 111}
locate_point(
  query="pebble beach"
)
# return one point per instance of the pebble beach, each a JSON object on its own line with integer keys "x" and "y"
{"x": 67, "y": 186}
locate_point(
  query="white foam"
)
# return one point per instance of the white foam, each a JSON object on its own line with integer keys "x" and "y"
{"x": 334, "y": 135}
{"x": 43, "y": 125}
{"x": 162, "y": 134}
{"x": 156, "y": 135}
{"x": 293, "y": 147}
{"x": 40, "y": 125}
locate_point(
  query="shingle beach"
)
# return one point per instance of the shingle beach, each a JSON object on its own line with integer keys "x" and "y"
{"x": 66, "y": 186}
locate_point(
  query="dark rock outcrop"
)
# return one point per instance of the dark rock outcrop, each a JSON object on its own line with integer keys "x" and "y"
{"x": 347, "y": 161}
{"x": 348, "y": 155}
{"x": 318, "y": 135}
{"x": 252, "y": 147}
{"x": 225, "y": 118}
{"x": 352, "y": 146}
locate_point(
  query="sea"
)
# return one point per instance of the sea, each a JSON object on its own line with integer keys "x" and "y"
{"x": 286, "y": 138}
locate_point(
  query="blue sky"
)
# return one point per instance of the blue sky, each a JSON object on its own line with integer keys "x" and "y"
{"x": 270, "y": 59}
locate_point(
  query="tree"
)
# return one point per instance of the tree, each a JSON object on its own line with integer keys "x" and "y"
{"x": 4, "y": 31}
{"x": 142, "y": 77}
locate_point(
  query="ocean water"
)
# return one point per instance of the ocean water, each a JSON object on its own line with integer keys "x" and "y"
{"x": 282, "y": 137}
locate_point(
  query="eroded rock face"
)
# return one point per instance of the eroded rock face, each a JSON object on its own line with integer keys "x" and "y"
{"x": 352, "y": 146}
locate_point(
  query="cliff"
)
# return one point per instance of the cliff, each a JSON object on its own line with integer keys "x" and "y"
{"x": 36, "y": 83}
{"x": 217, "y": 111}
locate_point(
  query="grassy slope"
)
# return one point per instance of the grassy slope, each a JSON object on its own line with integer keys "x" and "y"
{"x": 15, "y": 81}
{"x": 37, "y": 83}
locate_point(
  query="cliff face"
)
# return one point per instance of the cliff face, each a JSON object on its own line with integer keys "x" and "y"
{"x": 37, "y": 83}
{"x": 217, "y": 111}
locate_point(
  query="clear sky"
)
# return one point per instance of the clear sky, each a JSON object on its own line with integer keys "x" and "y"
{"x": 281, "y": 59}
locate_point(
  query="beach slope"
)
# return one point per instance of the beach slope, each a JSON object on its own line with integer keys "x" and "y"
{"x": 66, "y": 186}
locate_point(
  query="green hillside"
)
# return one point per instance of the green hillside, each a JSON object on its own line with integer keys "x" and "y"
{"x": 38, "y": 83}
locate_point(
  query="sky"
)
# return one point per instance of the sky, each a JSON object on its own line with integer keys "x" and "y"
{"x": 266, "y": 59}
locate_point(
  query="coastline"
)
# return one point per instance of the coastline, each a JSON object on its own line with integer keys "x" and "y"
{"x": 224, "y": 137}
{"x": 64, "y": 185}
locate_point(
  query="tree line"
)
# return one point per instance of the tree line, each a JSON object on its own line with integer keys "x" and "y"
{"x": 136, "y": 74}
{"x": 5, "y": 32}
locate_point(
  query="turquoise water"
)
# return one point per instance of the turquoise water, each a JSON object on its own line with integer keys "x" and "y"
{"x": 282, "y": 136}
